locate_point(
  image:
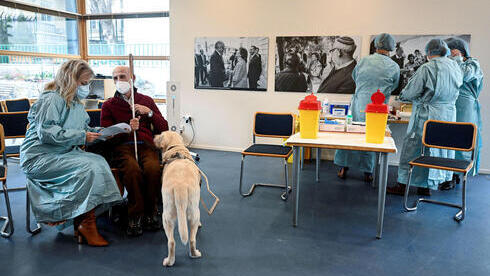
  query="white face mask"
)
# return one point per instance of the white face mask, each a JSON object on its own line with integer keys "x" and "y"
{"x": 83, "y": 91}
{"x": 122, "y": 86}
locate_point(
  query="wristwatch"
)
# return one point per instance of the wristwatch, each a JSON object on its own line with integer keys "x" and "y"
{"x": 150, "y": 114}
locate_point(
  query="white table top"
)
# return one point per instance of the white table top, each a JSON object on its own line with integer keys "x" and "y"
{"x": 342, "y": 140}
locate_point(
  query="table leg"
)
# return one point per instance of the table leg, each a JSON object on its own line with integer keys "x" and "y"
{"x": 302, "y": 157}
{"x": 295, "y": 184}
{"x": 383, "y": 178}
{"x": 318, "y": 155}
{"x": 376, "y": 171}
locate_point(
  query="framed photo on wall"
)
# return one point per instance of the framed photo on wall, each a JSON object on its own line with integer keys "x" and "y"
{"x": 318, "y": 64}
{"x": 409, "y": 54}
{"x": 231, "y": 63}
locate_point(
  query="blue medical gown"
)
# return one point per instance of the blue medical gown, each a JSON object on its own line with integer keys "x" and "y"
{"x": 433, "y": 91}
{"x": 372, "y": 73}
{"x": 63, "y": 181}
{"x": 468, "y": 106}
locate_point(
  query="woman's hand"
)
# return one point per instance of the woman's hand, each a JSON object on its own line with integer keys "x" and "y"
{"x": 91, "y": 136}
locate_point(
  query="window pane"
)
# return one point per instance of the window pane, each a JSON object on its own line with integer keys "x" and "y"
{"x": 140, "y": 37}
{"x": 34, "y": 32}
{"x": 123, "y": 6}
{"x": 25, "y": 77}
{"x": 63, "y": 5}
{"x": 151, "y": 75}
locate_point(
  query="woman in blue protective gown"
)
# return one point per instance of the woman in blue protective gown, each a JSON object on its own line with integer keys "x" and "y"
{"x": 64, "y": 182}
{"x": 377, "y": 71}
{"x": 467, "y": 104}
{"x": 433, "y": 91}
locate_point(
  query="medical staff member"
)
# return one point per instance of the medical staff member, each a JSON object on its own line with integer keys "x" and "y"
{"x": 467, "y": 104}
{"x": 433, "y": 91}
{"x": 65, "y": 183}
{"x": 377, "y": 71}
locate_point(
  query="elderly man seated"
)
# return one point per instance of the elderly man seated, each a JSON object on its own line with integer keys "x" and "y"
{"x": 141, "y": 177}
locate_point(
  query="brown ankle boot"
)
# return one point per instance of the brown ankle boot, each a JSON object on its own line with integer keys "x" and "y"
{"x": 87, "y": 231}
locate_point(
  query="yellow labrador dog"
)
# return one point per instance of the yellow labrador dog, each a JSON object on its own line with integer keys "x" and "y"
{"x": 180, "y": 193}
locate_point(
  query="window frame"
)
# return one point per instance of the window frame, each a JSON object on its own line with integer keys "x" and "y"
{"x": 83, "y": 37}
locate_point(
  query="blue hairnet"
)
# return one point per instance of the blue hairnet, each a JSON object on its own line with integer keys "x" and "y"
{"x": 437, "y": 47}
{"x": 458, "y": 43}
{"x": 384, "y": 41}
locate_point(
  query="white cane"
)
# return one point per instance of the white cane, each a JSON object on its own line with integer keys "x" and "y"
{"x": 131, "y": 76}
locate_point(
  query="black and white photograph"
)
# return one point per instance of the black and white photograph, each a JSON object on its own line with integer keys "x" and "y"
{"x": 409, "y": 54}
{"x": 316, "y": 64}
{"x": 231, "y": 63}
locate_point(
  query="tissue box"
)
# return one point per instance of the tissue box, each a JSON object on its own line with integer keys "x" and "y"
{"x": 357, "y": 127}
{"x": 332, "y": 127}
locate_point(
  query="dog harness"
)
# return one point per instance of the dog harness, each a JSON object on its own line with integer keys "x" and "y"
{"x": 176, "y": 156}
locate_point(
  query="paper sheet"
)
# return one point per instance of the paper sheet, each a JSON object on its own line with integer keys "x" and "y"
{"x": 114, "y": 130}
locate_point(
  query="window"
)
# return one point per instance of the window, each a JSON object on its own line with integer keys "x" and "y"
{"x": 119, "y": 6}
{"x": 64, "y": 5}
{"x": 151, "y": 75}
{"x": 25, "y": 76}
{"x": 37, "y": 36}
{"x": 125, "y": 36}
{"x": 25, "y": 31}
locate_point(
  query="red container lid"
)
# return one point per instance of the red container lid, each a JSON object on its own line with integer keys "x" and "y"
{"x": 310, "y": 102}
{"x": 377, "y": 105}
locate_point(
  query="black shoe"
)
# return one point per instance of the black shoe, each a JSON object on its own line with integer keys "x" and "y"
{"x": 119, "y": 214}
{"x": 423, "y": 191}
{"x": 134, "y": 227}
{"x": 151, "y": 222}
{"x": 456, "y": 178}
{"x": 368, "y": 178}
{"x": 399, "y": 189}
{"x": 448, "y": 185}
{"x": 342, "y": 174}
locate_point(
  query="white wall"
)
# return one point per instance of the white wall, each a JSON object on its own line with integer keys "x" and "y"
{"x": 223, "y": 119}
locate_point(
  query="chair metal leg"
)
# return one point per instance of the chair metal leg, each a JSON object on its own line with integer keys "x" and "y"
{"x": 460, "y": 215}
{"x": 28, "y": 217}
{"x": 241, "y": 178}
{"x": 286, "y": 187}
{"x": 8, "y": 221}
{"x": 14, "y": 189}
{"x": 407, "y": 188}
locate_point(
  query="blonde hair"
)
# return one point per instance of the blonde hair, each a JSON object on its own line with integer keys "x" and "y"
{"x": 65, "y": 82}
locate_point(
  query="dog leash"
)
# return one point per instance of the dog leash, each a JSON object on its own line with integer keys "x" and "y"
{"x": 203, "y": 175}
{"x": 216, "y": 199}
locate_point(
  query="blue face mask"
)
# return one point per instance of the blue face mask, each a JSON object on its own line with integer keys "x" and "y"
{"x": 83, "y": 91}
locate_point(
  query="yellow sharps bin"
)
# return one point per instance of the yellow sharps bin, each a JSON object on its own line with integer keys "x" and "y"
{"x": 376, "y": 119}
{"x": 309, "y": 116}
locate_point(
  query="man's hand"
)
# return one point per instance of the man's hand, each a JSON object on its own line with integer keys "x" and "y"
{"x": 141, "y": 109}
{"x": 135, "y": 123}
{"x": 91, "y": 136}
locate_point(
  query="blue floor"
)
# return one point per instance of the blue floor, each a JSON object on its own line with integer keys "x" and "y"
{"x": 254, "y": 236}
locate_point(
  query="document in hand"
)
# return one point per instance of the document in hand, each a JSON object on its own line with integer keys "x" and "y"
{"x": 114, "y": 130}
